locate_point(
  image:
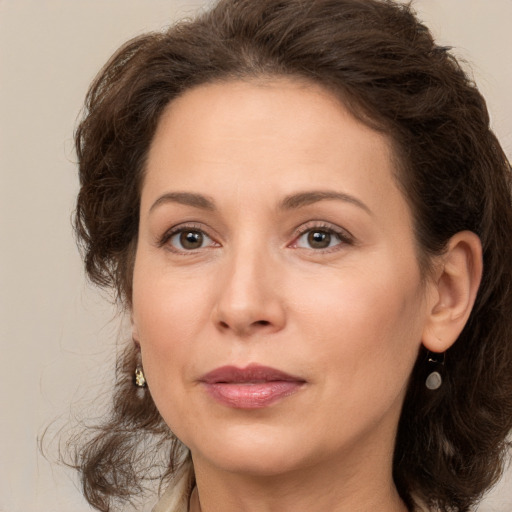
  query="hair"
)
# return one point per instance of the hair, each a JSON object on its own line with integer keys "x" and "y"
{"x": 386, "y": 68}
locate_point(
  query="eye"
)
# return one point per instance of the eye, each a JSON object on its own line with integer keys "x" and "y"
{"x": 321, "y": 238}
{"x": 188, "y": 240}
{"x": 318, "y": 239}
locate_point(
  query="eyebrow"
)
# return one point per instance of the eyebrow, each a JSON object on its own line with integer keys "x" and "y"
{"x": 291, "y": 202}
{"x": 186, "y": 198}
{"x": 301, "y": 199}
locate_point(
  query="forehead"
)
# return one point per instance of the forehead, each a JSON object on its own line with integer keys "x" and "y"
{"x": 282, "y": 121}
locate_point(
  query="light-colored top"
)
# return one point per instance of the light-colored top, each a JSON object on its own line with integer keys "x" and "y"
{"x": 176, "y": 496}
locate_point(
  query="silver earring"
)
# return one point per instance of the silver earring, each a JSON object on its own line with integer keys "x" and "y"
{"x": 435, "y": 364}
{"x": 139, "y": 379}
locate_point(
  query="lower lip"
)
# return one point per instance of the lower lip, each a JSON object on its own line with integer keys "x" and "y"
{"x": 252, "y": 395}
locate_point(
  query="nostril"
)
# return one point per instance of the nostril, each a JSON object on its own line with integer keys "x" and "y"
{"x": 243, "y": 326}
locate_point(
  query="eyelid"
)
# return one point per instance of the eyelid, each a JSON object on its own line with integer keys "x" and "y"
{"x": 346, "y": 238}
{"x": 185, "y": 226}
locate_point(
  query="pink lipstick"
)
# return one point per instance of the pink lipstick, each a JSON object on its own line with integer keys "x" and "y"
{"x": 252, "y": 387}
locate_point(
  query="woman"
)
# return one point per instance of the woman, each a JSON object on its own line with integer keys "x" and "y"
{"x": 303, "y": 210}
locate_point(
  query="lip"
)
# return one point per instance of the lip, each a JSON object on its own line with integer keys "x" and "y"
{"x": 252, "y": 387}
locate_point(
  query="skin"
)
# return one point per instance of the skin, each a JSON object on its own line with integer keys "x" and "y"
{"x": 348, "y": 319}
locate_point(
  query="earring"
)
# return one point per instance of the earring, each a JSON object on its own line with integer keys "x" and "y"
{"x": 139, "y": 379}
{"x": 435, "y": 364}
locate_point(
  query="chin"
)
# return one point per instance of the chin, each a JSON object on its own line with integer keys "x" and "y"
{"x": 254, "y": 463}
{"x": 259, "y": 451}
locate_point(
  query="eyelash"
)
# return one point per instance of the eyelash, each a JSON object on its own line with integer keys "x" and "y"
{"x": 343, "y": 236}
{"x": 183, "y": 228}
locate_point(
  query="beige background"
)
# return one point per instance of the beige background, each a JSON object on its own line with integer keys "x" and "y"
{"x": 57, "y": 334}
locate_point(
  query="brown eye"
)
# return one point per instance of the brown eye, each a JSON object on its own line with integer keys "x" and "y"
{"x": 319, "y": 239}
{"x": 189, "y": 240}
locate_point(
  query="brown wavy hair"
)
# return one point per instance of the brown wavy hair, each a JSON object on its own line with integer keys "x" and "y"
{"x": 386, "y": 68}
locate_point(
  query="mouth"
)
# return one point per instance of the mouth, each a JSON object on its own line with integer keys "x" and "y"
{"x": 252, "y": 387}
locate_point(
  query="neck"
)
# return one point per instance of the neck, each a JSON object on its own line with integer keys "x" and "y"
{"x": 354, "y": 488}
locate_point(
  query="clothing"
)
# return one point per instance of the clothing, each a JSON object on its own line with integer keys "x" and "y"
{"x": 175, "y": 497}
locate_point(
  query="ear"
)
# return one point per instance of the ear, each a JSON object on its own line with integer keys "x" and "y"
{"x": 454, "y": 288}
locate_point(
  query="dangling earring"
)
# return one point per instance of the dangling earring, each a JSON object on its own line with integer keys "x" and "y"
{"x": 139, "y": 379}
{"x": 435, "y": 364}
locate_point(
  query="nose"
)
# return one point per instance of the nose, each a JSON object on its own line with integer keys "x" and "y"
{"x": 250, "y": 297}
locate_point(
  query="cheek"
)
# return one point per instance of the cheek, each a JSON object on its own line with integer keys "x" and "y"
{"x": 167, "y": 306}
{"x": 169, "y": 314}
{"x": 369, "y": 326}
{"x": 179, "y": 342}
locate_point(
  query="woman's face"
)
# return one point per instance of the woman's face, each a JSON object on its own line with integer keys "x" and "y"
{"x": 277, "y": 296}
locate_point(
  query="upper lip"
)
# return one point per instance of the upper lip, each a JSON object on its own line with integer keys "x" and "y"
{"x": 251, "y": 373}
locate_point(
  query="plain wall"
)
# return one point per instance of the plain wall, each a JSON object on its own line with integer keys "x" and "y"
{"x": 58, "y": 335}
